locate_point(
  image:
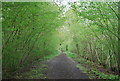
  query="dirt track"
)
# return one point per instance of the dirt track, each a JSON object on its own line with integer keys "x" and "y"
{"x": 62, "y": 67}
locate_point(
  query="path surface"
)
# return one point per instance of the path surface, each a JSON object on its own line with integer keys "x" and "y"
{"x": 62, "y": 67}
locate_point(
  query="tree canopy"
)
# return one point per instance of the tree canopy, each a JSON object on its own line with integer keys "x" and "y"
{"x": 34, "y": 30}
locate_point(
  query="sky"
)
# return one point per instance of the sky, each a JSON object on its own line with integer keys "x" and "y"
{"x": 64, "y": 3}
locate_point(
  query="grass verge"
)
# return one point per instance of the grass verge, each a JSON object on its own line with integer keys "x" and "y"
{"x": 37, "y": 69}
{"x": 93, "y": 70}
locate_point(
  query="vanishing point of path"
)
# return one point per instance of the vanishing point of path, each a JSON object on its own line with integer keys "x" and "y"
{"x": 62, "y": 67}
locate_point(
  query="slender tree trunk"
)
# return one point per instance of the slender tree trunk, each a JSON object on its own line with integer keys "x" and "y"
{"x": 77, "y": 46}
{"x": 66, "y": 47}
{"x": 118, "y": 39}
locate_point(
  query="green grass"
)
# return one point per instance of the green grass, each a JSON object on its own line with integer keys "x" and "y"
{"x": 82, "y": 68}
{"x": 34, "y": 73}
{"x": 70, "y": 54}
{"x": 39, "y": 71}
{"x": 51, "y": 56}
{"x": 103, "y": 75}
{"x": 48, "y": 57}
{"x": 93, "y": 72}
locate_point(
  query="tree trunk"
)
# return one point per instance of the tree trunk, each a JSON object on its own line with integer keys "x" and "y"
{"x": 119, "y": 39}
{"x": 77, "y": 46}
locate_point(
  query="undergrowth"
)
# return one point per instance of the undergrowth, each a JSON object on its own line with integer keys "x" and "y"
{"x": 70, "y": 54}
{"x": 37, "y": 69}
{"x": 92, "y": 71}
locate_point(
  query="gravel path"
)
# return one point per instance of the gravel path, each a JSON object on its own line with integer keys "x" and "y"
{"x": 62, "y": 67}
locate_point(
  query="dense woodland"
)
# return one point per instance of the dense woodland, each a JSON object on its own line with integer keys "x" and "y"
{"x": 34, "y": 30}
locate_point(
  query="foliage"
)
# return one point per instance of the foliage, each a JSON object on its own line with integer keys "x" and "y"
{"x": 70, "y": 54}
{"x": 93, "y": 72}
{"x": 34, "y": 73}
{"x": 29, "y": 30}
{"x": 105, "y": 76}
{"x": 93, "y": 28}
{"x": 36, "y": 31}
{"x": 50, "y": 56}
